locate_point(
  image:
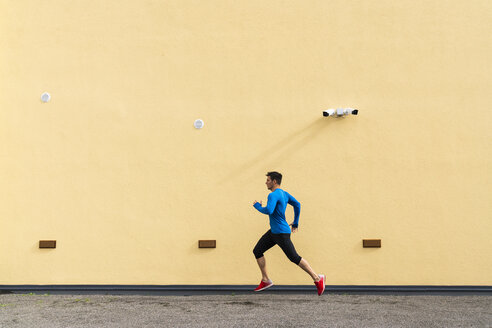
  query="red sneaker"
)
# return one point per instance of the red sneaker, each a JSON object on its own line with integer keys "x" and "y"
{"x": 320, "y": 285}
{"x": 264, "y": 285}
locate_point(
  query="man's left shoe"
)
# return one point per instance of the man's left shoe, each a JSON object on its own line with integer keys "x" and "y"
{"x": 320, "y": 285}
{"x": 264, "y": 285}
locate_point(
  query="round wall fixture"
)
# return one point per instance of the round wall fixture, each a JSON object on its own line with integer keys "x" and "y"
{"x": 198, "y": 124}
{"x": 45, "y": 97}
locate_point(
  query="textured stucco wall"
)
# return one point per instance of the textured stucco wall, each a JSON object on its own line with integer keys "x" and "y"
{"x": 113, "y": 169}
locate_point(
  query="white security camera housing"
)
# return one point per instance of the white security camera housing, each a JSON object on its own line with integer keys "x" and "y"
{"x": 352, "y": 111}
{"x": 329, "y": 112}
{"x": 340, "y": 112}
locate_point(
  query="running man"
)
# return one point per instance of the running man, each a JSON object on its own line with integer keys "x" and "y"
{"x": 279, "y": 234}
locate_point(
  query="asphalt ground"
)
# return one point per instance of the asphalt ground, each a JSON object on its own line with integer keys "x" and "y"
{"x": 254, "y": 310}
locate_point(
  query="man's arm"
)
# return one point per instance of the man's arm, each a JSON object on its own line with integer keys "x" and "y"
{"x": 297, "y": 210}
{"x": 272, "y": 202}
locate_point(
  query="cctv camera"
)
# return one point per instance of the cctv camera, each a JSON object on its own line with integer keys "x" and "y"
{"x": 352, "y": 111}
{"x": 329, "y": 112}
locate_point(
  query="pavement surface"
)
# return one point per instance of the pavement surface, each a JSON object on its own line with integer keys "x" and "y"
{"x": 255, "y": 310}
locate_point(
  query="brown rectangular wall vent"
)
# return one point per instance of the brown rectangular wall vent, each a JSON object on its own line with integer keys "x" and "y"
{"x": 207, "y": 244}
{"x": 47, "y": 244}
{"x": 371, "y": 243}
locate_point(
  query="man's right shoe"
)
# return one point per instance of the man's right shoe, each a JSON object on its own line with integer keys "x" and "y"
{"x": 320, "y": 285}
{"x": 264, "y": 285}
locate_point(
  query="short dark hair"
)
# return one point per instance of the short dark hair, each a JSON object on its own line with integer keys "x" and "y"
{"x": 275, "y": 176}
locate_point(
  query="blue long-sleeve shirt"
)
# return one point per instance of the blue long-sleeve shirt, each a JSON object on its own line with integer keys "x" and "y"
{"x": 277, "y": 203}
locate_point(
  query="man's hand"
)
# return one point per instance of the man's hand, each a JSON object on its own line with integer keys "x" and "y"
{"x": 257, "y": 202}
{"x": 294, "y": 229}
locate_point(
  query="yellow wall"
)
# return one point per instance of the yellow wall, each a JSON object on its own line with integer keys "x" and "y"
{"x": 113, "y": 169}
